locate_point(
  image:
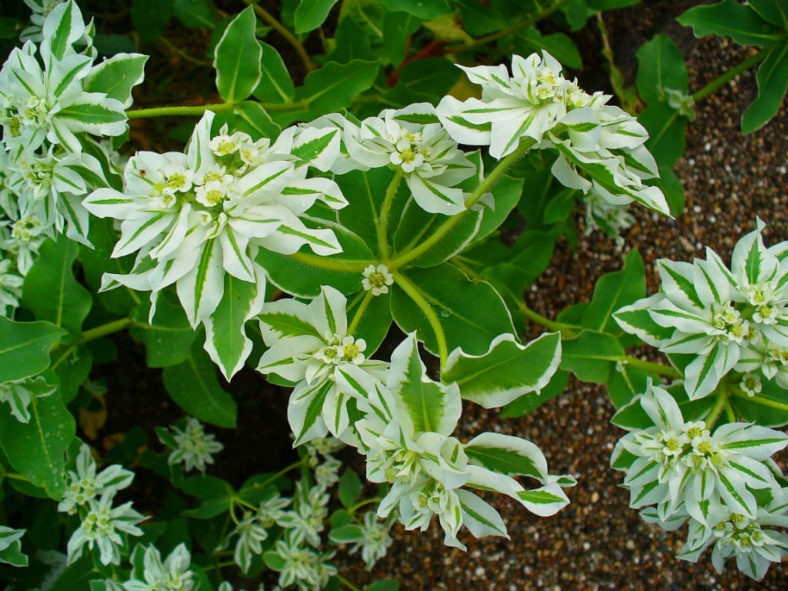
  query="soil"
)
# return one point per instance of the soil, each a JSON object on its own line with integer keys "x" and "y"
{"x": 597, "y": 542}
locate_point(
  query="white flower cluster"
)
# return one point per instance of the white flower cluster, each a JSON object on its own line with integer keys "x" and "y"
{"x": 724, "y": 483}
{"x": 600, "y": 147}
{"x": 374, "y": 540}
{"x": 54, "y": 102}
{"x": 412, "y": 142}
{"x": 171, "y": 575}
{"x": 732, "y": 320}
{"x": 199, "y": 218}
{"x": 191, "y": 446}
{"x": 92, "y": 494}
{"x": 400, "y": 420}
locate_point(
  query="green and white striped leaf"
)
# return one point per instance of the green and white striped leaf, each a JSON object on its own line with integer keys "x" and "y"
{"x": 508, "y": 455}
{"x": 544, "y": 501}
{"x": 479, "y": 517}
{"x": 62, "y": 27}
{"x": 431, "y": 406}
{"x": 201, "y": 289}
{"x": 506, "y": 371}
{"x": 225, "y": 339}
{"x": 636, "y": 320}
{"x": 11, "y": 546}
{"x": 237, "y": 58}
{"x": 116, "y": 76}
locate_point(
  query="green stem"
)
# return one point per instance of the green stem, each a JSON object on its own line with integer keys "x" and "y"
{"x": 728, "y": 76}
{"x": 363, "y": 503}
{"x": 722, "y": 398}
{"x": 385, "y": 210}
{"x": 362, "y": 307}
{"x": 281, "y": 472}
{"x": 761, "y": 400}
{"x": 546, "y": 322}
{"x": 418, "y": 298}
{"x": 287, "y": 35}
{"x": 98, "y": 332}
{"x": 182, "y": 110}
{"x": 729, "y": 410}
{"x": 329, "y": 264}
{"x": 658, "y": 368}
{"x": 178, "y": 51}
{"x": 346, "y": 583}
{"x": 448, "y": 225}
{"x": 526, "y": 22}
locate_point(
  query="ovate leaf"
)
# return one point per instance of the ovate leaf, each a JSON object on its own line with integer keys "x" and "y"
{"x": 730, "y": 19}
{"x": 24, "y": 348}
{"x": 613, "y": 291}
{"x": 310, "y": 14}
{"x": 506, "y": 371}
{"x": 237, "y": 58}
{"x": 194, "y": 387}
{"x": 772, "y": 83}
{"x": 660, "y": 66}
{"x": 591, "y": 355}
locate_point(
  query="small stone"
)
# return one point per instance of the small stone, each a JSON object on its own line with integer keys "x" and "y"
{"x": 594, "y": 497}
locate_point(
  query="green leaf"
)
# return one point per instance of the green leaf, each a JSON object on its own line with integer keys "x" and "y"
{"x": 237, "y": 58}
{"x": 666, "y": 130}
{"x": 591, "y": 355}
{"x": 331, "y": 88}
{"x": 559, "y": 45}
{"x": 660, "y": 66}
{"x": 759, "y": 410}
{"x": 116, "y": 76}
{"x": 169, "y": 338}
{"x": 626, "y": 383}
{"x": 216, "y": 496}
{"x": 24, "y": 348}
{"x": 471, "y": 314}
{"x": 196, "y": 14}
{"x": 368, "y": 188}
{"x": 72, "y": 367}
{"x": 506, "y": 371}
{"x": 304, "y": 280}
{"x": 384, "y": 585}
{"x": 346, "y": 534}
{"x": 194, "y": 387}
{"x": 673, "y": 189}
{"x": 50, "y": 289}
{"x": 13, "y": 554}
{"x": 225, "y": 338}
{"x": 530, "y": 402}
{"x": 423, "y": 9}
{"x": 36, "y": 449}
{"x": 150, "y": 16}
{"x": 397, "y": 27}
{"x": 772, "y": 84}
{"x": 252, "y": 118}
{"x": 276, "y": 85}
{"x": 424, "y": 80}
{"x": 730, "y": 19}
{"x": 310, "y": 14}
{"x": 613, "y": 291}
{"x": 773, "y": 11}
{"x": 506, "y": 194}
{"x": 415, "y": 225}
{"x": 375, "y": 321}
{"x": 349, "y": 488}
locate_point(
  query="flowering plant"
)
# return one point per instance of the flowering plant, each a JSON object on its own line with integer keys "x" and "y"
{"x": 345, "y": 243}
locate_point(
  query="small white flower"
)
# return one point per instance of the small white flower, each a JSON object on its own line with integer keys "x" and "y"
{"x": 751, "y": 384}
{"x": 251, "y": 533}
{"x": 102, "y": 527}
{"x": 377, "y": 279}
{"x": 327, "y": 472}
{"x": 195, "y": 447}
{"x": 85, "y": 485}
{"x": 172, "y": 575}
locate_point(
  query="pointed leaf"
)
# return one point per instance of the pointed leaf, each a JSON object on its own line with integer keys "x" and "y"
{"x": 24, "y": 348}
{"x": 237, "y": 58}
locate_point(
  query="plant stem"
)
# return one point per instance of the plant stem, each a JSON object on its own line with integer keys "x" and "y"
{"x": 728, "y": 76}
{"x": 418, "y": 298}
{"x": 448, "y": 225}
{"x": 362, "y": 307}
{"x": 722, "y": 398}
{"x": 178, "y": 51}
{"x": 526, "y": 22}
{"x": 385, "y": 210}
{"x": 314, "y": 260}
{"x": 729, "y": 410}
{"x": 761, "y": 400}
{"x": 658, "y": 368}
{"x": 287, "y": 35}
{"x": 98, "y": 332}
{"x": 281, "y": 472}
{"x": 363, "y": 503}
{"x": 546, "y": 322}
{"x": 194, "y": 110}
{"x": 346, "y": 583}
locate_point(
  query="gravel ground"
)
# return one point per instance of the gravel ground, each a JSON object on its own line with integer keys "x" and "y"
{"x": 597, "y": 542}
